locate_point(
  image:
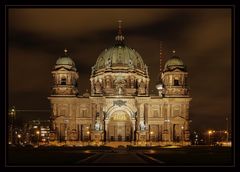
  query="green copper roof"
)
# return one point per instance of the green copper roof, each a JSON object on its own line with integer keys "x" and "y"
{"x": 65, "y": 61}
{"x": 119, "y": 55}
{"x": 174, "y": 62}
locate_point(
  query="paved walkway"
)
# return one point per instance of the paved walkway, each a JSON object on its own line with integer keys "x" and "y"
{"x": 115, "y": 144}
{"x": 120, "y": 158}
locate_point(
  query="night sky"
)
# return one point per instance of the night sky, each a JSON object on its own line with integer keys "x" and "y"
{"x": 200, "y": 36}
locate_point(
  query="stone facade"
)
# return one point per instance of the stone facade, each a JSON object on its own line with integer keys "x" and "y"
{"x": 119, "y": 107}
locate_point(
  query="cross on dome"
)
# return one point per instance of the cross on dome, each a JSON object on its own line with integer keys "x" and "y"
{"x": 65, "y": 51}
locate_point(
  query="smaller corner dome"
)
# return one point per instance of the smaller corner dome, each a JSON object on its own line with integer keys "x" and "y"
{"x": 65, "y": 61}
{"x": 173, "y": 63}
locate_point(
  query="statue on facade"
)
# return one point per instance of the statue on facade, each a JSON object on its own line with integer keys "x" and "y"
{"x": 120, "y": 91}
{"x": 132, "y": 83}
{"x": 93, "y": 69}
{"x": 130, "y": 63}
{"x": 109, "y": 63}
{"x": 98, "y": 87}
{"x": 141, "y": 88}
{"x": 108, "y": 84}
{"x": 97, "y": 126}
{"x": 142, "y": 126}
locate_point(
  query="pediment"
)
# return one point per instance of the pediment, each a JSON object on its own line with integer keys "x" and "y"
{"x": 62, "y": 69}
{"x": 177, "y": 70}
{"x": 178, "y": 118}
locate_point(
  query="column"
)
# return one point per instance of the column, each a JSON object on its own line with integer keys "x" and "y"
{"x": 106, "y": 130}
{"x": 168, "y": 122}
{"x": 133, "y": 130}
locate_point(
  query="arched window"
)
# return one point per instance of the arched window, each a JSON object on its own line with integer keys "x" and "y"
{"x": 63, "y": 81}
{"x": 176, "y": 82}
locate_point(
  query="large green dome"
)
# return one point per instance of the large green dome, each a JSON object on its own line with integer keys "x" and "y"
{"x": 173, "y": 63}
{"x": 119, "y": 56}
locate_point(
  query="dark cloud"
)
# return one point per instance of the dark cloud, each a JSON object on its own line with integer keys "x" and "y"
{"x": 201, "y": 37}
{"x": 63, "y": 23}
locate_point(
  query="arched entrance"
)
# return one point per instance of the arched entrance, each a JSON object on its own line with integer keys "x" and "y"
{"x": 177, "y": 132}
{"x": 119, "y": 127}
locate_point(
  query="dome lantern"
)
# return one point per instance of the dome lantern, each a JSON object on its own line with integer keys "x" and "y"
{"x": 119, "y": 38}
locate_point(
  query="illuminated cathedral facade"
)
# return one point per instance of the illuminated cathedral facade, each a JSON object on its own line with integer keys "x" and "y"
{"x": 119, "y": 106}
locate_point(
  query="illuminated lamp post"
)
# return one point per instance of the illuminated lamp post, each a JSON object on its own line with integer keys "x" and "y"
{"x": 226, "y": 132}
{"x": 182, "y": 134}
{"x": 88, "y": 133}
{"x": 151, "y": 133}
{"x": 19, "y": 137}
{"x": 227, "y": 129}
{"x": 38, "y": 134}
{"x": 12, "y": 117}
{"x": 209, "y": 136}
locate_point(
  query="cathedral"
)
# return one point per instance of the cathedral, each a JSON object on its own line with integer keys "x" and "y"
{"x": 119, "y": 106}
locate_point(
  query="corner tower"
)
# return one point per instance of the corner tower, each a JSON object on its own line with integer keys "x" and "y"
{"x": 175, "y": 93}
{"x": 65, "y": 76}
{"x": 174, "y": 78}
{"x": 64, "y": 95}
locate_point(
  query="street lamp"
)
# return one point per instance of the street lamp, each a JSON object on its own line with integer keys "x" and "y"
{"x": 88, "y": 133}
{"x": 209, "y": 136}
{"x": 38, "y": 133}
{"x": 227, "y": 128}
{"x": 226, "y": 132}
{"x": 19, "y": 137}
{"x": 12, "y": 117}
{"x": 151, "y": 133}
{"x": 182, "y": 134}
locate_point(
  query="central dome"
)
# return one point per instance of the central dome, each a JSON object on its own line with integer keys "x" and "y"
{"x": 119, "y": 56}
{"x": 119, "y": 71}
